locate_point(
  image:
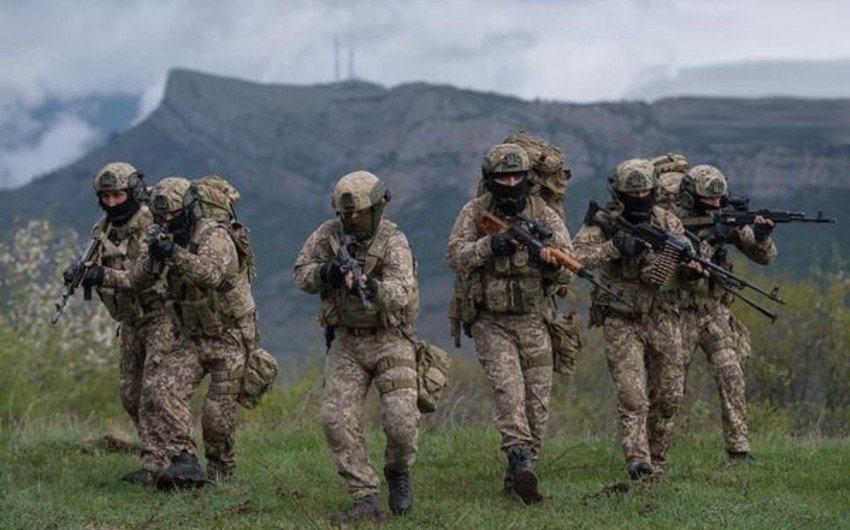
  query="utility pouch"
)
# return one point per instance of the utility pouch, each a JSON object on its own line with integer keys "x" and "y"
{"x": 565, "y": 331}
{"x": 432, "y": 375}
{"x": 260, "y": 373}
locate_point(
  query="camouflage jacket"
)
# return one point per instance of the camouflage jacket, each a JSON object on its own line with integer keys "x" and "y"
{"x": 505, "y": 284}
{"x": 121, "y": 248}
{"x": 386, "y": 258}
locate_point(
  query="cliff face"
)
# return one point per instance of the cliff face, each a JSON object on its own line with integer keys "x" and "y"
{"x": 285, "y": 146}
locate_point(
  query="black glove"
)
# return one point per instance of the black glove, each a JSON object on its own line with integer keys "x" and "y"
{"x": 331, "y": 273}
{"x": 93, "y": 276}
{"x": 628, "y": 246}
{"x": 371, "y": 290}
{"x": 69, "y": 273}
{"x": 501, "y": 245}
{"x": 762, "y": 231}
{"x": 161, "y": 249}
{"x": 719, "y": 235}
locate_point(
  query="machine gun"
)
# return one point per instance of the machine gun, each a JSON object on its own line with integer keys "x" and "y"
{"x": 79, "y": 269}
{"x": 673, "y": 252}
{"x": 347, "y": 263}
{"x": 532, "y": 235}
{"x": 738, "y": 214}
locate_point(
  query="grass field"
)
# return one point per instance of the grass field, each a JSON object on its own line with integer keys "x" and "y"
{"x": 50, "y": 478}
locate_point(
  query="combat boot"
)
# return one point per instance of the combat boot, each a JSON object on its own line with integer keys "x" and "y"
{"x": 401, "y": 496}
{"x": 140, "y": 477}
{"x": 184, "y": 472}
{"x": 742, "y": 457}
{"x": 640, "y": 470}
{"x": 361, "y": 510}
{"x": 522, "y": 476}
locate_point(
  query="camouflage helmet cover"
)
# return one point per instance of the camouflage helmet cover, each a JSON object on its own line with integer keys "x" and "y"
{"x": 706, "y": 181}
{"x": 505, "y": 158}
{"x": 635, "y": 174}
{"x": 168, "y": 195}
{"x": 117, "y": 176}
{"x": 670, "y": 163}
{"x": 357, "y": 191}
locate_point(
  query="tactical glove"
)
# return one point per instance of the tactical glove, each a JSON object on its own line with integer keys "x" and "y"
{"x": 501, "y": 245}
{"x": 93, "y": 276}
{"x": 161, "y": 249}
{"x": 628, "y": 246}
{"x": 69, "y": 273}
{"x": 372, "y": 288}
{"x": 762, "y": 231}
{"x": 332, "y": 274}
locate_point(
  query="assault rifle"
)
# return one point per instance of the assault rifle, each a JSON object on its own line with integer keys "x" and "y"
{"x": 673, "y": 252}
{"x": 530, "y": 234}
{"x": 739, "y": 214}
{"x": 79, "y": 269}
{"x": 347, "y": 263}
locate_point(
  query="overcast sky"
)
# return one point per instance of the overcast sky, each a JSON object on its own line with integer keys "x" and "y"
{"x": 570, "y": 50}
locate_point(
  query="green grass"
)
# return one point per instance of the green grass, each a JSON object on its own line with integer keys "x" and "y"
{"x": 285, "y": 480}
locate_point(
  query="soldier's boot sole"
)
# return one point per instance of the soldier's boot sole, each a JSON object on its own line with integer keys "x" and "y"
{"x": 525, "y": 485}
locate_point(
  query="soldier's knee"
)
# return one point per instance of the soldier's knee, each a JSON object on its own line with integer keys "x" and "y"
{"x": 633, "y": 401}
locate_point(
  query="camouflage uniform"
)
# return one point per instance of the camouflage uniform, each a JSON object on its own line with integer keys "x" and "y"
{"x": 643, "y": 343}
{"x": 709, "y": 322}
{"x": 511, "y": 296}
{"x": 210, "y": 300}
{"x": 146, "y": 332}
{"x": 368, "y": 345}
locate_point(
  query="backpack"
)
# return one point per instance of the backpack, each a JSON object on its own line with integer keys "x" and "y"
{"x": 213, "y": 197}
{"x": 547, "y": 166}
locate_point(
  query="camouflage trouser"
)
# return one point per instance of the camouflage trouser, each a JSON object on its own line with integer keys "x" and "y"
{"x": 140, "y": 341}
{"x": 516, "y": 354}
{"x": 708, "y": 327}
{"x": 351, "y": 365}
{"x": 646, "y": 361}
{"x": 170, "y": 380}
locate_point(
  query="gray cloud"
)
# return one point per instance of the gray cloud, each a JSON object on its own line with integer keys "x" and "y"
{"x": 573, "y": 51}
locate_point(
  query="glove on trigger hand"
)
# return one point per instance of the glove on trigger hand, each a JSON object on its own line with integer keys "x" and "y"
{"x": 332, "y": 274}
{"x": 501, "y": 245}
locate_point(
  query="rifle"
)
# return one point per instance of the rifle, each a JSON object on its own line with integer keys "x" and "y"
{"x": 79, "y": 267}
{"x": 531, "y": 235}
{"x": 739, "y": 214}
{"x": 674, "y": 251}
{"x": 347, "y": 263}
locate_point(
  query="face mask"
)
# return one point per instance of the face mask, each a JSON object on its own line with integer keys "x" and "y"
{"x": 637, "y": 209}
{"x": 121, "y": 213}
{"x": 180, "y": 227}
{"x": 702, "y": 208}
{"x": 361, "y": 227}
{"x": 509, "y": 200}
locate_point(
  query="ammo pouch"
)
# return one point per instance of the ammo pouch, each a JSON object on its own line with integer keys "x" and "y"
{"x": 740, "y": 338}
{"x": 565, "y": 331}
{"x": 260, "y": 373}
{"x": 432, "y": 375}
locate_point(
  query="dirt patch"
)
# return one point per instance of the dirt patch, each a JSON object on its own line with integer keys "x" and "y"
{"x": 109, "y": 443}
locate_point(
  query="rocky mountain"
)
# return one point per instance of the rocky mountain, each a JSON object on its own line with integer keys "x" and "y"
{"x": 284, "y": 147}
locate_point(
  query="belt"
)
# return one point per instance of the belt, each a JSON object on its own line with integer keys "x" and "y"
{"x": 362, "y": 332}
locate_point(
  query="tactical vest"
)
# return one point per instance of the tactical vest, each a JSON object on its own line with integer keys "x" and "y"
{"x": 121, "y": 246}
{"x": 345, "y": 309}
{"x": 627, "y": 276}
{"x": 511, "y": 284}
{"x": 209, "y": 311}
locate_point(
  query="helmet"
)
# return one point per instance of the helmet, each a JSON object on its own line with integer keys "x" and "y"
{"x": 364, "y": 193}
{"x": 168, "y": 195}
{"x": 670, "y": 163}
{"x": 635, "y": 174}
{"x": 505, "y": 158}
{"x": 705, "y": 181}
{"x": 120, "y": 176}
{"x": 359, "y": 190}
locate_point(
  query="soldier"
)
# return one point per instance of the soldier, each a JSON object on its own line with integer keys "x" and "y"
{"x": 210, "y": 298}
{"x": 145, "y": 330}
{"x": 709, "y": 322}
{"x": 368, "y": 315}
{"x": 643, "y": 342}
{"x": 510, "y": 291}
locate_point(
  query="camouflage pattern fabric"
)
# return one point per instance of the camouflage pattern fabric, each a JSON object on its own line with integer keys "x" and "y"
{"x": 643, "y": 343}
{"x": 370, "y": 346}
{"x": 511, "y": 339}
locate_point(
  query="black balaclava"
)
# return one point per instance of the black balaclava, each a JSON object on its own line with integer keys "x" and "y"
{"x": 510, "y": 200}
{"x": 121, "y": 213}
{"x": 702, "y": 208}
{"x": 180, "y": 227}
{"x": 637, "y": 209}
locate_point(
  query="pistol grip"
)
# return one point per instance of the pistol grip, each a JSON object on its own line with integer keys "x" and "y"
{"x": 87, "y": 292}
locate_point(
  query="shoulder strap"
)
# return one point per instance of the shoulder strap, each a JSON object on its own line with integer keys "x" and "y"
{"x": 375, "y": 252}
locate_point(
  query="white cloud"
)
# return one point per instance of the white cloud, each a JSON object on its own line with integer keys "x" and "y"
{"x": 571, "y": 51}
